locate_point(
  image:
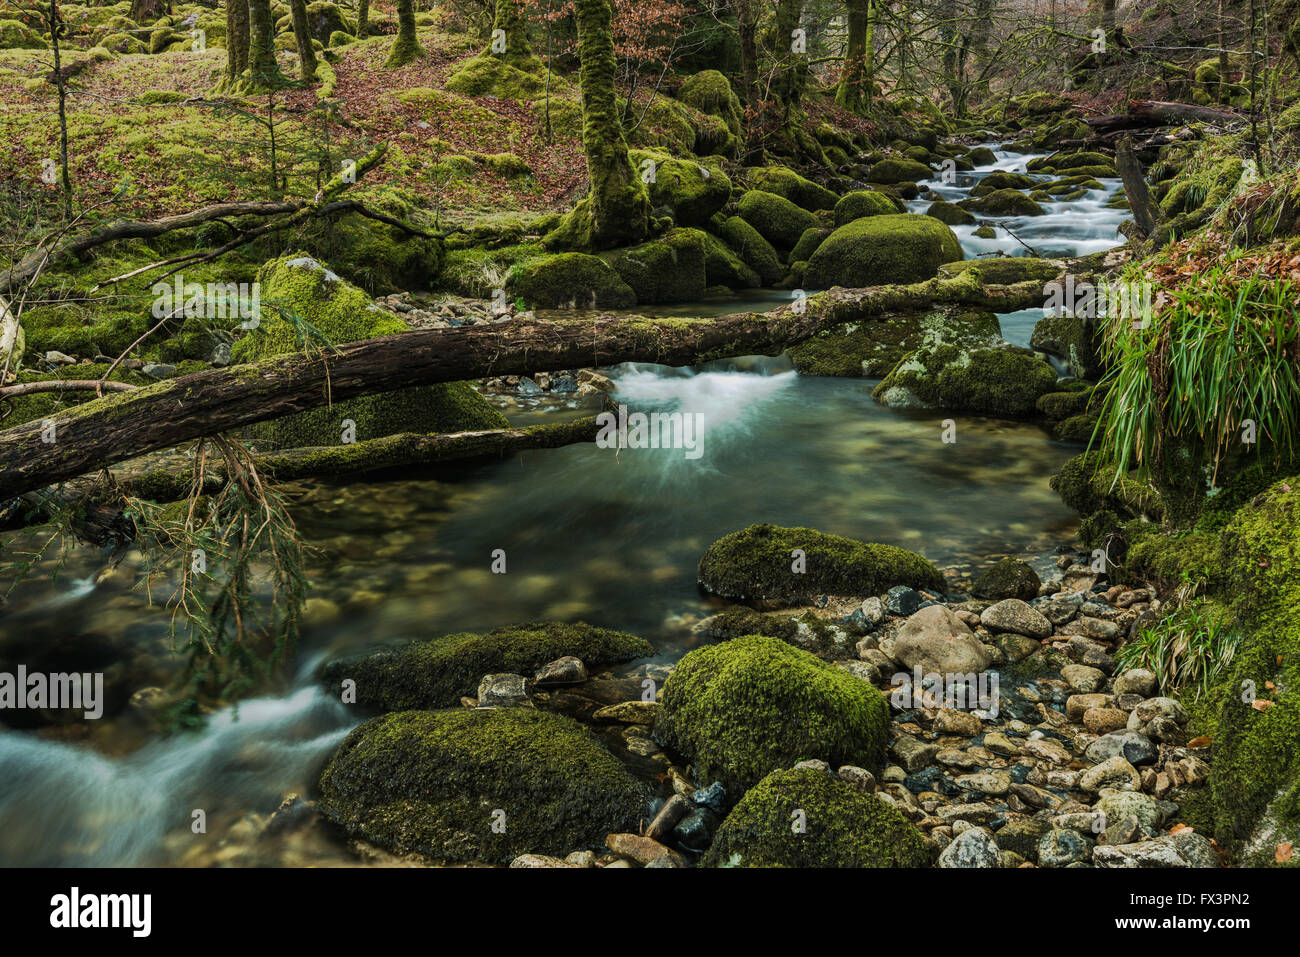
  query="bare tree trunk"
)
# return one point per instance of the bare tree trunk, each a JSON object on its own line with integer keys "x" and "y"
{"x": 54, "y": 21}
{"x": 1135, "y": 186}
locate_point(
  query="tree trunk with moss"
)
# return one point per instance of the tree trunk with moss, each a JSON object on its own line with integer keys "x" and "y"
{"x": 790, "y": 51}
{"x": 616, "y": 212}
{"x": 145, "y": 12}
{"x": 363, "y": 18}
{"x": 263, "y": 71}
{"x": 407, "y": 46}
{"x": 236, "y": 38}
{"x": 302, "y": 38}
{"x": 510, "y": 22}
{"x": 854, "y": 91}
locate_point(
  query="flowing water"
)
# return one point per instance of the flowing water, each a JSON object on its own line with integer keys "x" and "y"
{"x": 607, "y": 536}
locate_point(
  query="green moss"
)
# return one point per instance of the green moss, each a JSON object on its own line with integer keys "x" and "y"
{"x": 671, "y": 269}
{"x": 480, "y": 272}
{"x": 1009, "y": 578}
{"x": 890, "y": 171}
{"x": 752, "y": 705}
{"x": 872, "y": 348}
{"x": 437, "y": 673}
{"x": 691, "y": 190}
{"x": 1254, "y": 774}
{"x": 812, "y": 237}
{"x": 1003, "y": 202}
{"x": 1001, "y": 179}
{"x": 950, "y": 213}
{"x": 862, "y": 203}
{"x": 844, "y": 827}
{"x": 570, "y": 279}
{"x": 1074, "y": 338}
{"x": 780, "y": 221}
{"x": 710, "y": 92}
{"x": 755, "y": 251}
{"x": 999, "y": 270}
{"x": 786, "y": 182}
{"x": 992, "y": 381}
{"x": 488, "y": 75}
{"x": 1170, "y": 559}
{"x": 40, "y": 405}
{"x": 1086, "y": 485}
{"x": 722, "y": 267}
{"x": 299, "y": 288}
{"x": 429, "y": 782}
{"x": 899, "y": 248}
{"x": 757, "y": 563}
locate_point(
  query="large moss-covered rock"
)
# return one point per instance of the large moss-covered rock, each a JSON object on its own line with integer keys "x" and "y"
{"x": 898, "y": 170}
{"x": 808, "y": 243}
{"x": 755, "y": 251}
{"x": 896, "y": 248}
{"x": 1001, "y": 179}
{"x": 1003, "y": 202}
{"x": 710, "y": 92}
{"x": 431, "y": 782}
{"x": 872, "y": 347}
{"x": 691, "y": 190}
{"x": 722, "y": 267}
{"x": 950, "y": 213}
{"x": 752, "y": 705}
{"x": 786, "y": 182}
{"x": 863, "y": 202}
{"x": 1001, "y": 381}
{"x": 843, "y": 827}
{"x": 14, "y": 35}
{"x": 437, "y": 673}
{"x": 570, "y": 280}
{"x": 758, "y": 563}
{"x": 1076, "y": 339}
{"x": 376, "y": 256}
{"x": 780, "y": 221}
{"x": 304, "y": 303}
{"x": 671, "y": 269}
{"x": 1255, "y": 775}
{"x": 1087, "y": 484}
{"x": 490, "y": 75}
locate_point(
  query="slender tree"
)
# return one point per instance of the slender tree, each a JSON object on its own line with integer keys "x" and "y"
{"x": 264, "y": 71}
{"x": 302, "y": 38}
{"x": 236, "y": 39}
{"x": 406, "y": 47}
{"x": 854, "y": 92}
{"x": 363, "y": 17}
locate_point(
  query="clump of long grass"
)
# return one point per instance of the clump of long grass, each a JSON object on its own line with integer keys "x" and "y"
{"x": 1215, "y": 360}
{"x": 1189, "y": 652}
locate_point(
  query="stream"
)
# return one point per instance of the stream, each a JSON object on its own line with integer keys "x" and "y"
{"x": 606, "y": 536}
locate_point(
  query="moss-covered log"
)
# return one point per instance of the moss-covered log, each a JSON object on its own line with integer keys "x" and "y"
{"x": 119, "y": 427}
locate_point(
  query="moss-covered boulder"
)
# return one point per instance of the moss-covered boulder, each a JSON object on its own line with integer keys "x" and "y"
{"x": 897, "y": 248}
{"x": 1009, "y": 578}
{"x": 780, "y": 221}
{"x": 710, "y": 92}
{"x": 786, "y": 182}
{"x": 690, "y": 190}
{"x": 1001, "y": 179}
{"x": 570, "y": 280}
{"x": 376, "y": 256}
{"x": 1087, "y": 484}
{"x": 873, "y": 347}
{"x": 863, "y": 202}
{"x": 950, "y": 213}
{"x": 434, "y": 783}
{"x": 1076, "y": 339}
{"x": 1255, "y": 775}
{"x": 307, "y": 307}
{"x": 671, "y": 269}
{"x": 437, "y": 673}
{"x": 773, "y": 563}
{"x": 1003, "y": 202}
{"x": 753, "y": 705}
{"x": 722, "y": 267}
{"x": 842, "y": 827}
{"x": 896, "y": 170}
{"x": 808, "y": 243}
{"x": 1001, "y": 381}
{"x": 488, "y": 75}
{"x": 755, "y": 251}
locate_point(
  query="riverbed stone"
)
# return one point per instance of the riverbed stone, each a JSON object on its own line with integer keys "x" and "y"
{"x": 1016, "y": 616}
{"x": 1133, "y": 746}
{"x": 1138, "y": 681}
{"x": 1009, "y": 578}
{"x": 1115, "y": 773}
{"x": 1060, "y": 848}
{"x": 938, "y": 642}
{"x": 973, "y": 848}
{"x": 1181, "y": 850}
{"x": 1084, "y": 679}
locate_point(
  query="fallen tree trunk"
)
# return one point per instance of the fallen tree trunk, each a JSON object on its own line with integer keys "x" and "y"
{"x": 124, "y": 425}
{"x": 1143, "y": 114}
{"x": 1144, "y": 209}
